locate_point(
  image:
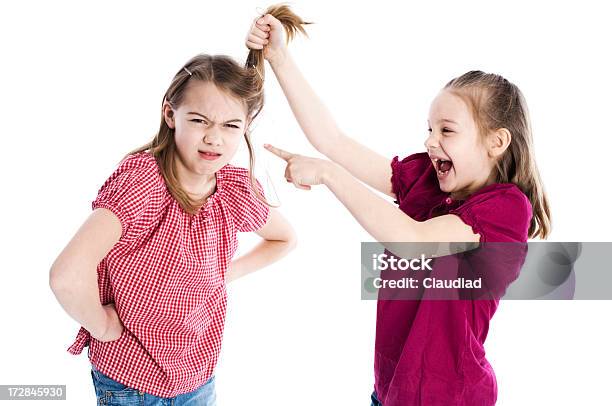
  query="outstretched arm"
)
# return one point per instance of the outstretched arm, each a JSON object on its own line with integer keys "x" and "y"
{"x": 313, "y": 117}
{"x": 381, "y": 219}
{"x": 385, "y": 221}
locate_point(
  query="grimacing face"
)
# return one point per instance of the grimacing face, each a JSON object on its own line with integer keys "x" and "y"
{"x": 463, "y": 162}
{"x": 209, "y": 125}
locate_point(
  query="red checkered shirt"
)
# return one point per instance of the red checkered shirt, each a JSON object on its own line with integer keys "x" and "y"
{"x": 166, "y": 276}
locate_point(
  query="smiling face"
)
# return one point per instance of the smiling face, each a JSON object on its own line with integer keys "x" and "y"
{"x": 463, "y": 163}
{"x": 208, "y": 126}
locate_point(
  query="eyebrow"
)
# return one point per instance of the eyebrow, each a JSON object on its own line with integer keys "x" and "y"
{"x": 203, "y": 116}
{"x": 445, "y": 120}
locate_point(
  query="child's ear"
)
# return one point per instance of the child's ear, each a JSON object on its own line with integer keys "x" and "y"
{"x": 499, "y": 141}
{"x": 168, "y": 114}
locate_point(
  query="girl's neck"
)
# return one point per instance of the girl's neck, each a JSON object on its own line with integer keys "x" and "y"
{"x": 467, "y": 192}
{"x": 202, "y": 188}
{"x": 195, "y": 185}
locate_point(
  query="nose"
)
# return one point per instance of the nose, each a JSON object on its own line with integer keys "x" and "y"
{"x": 212, "y": 136}
{"x": 431, "y": 142}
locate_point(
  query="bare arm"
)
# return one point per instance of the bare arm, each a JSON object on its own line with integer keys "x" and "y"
{"x": 385, "y": 221}
{"x": 313, "y": 117}
{"x": 278, "y": 239}
{"x": 382, "y": 219}
{"x": 320, "y": 128}
{"x": 74, "y": 280}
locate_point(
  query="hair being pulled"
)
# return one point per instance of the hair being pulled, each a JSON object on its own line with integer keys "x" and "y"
{"x": 292, "y": 23}
{"x": 243, "y": 83}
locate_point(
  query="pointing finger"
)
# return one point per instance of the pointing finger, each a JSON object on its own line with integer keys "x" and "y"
{"x": 278, "y": 152}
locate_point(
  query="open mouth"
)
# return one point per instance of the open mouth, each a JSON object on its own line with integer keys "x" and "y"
{"x": 443, "y": 166}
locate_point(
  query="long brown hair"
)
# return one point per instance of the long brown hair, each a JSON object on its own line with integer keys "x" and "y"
{"x": 244, "y": 83}
{"x": 497, "y": 103}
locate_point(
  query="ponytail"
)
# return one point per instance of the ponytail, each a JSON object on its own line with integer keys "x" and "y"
{"x": 292, "y": 23}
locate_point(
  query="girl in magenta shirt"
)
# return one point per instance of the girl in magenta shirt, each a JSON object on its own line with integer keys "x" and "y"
{"x": 146, "y": 274}
{"x": 476, "y": 182}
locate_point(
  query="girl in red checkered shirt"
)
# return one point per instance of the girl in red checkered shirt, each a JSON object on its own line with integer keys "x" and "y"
{"x": 146, "y": 274}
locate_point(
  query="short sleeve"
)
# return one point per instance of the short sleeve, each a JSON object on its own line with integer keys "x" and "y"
{"x": 406, "y": 173}
{"x": 501, "y": 214}
{"x": 248, "y": 211}
{"x": 130, "y": 190}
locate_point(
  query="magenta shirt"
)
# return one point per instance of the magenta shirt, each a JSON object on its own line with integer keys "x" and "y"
{"x": 431, "y": 352}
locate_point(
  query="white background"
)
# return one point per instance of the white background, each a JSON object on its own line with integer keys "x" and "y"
{"x": 82, "y": 84}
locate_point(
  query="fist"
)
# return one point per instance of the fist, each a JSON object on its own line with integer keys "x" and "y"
{"x": 114, "y": 326}
{"x": 266, "y": 33}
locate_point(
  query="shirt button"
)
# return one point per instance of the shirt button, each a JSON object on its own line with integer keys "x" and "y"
{"x": 448, "y": 200}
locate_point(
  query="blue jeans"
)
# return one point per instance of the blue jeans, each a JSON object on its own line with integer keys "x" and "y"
{"x": 375, "y": 401}
{"x": 110, "y": 392}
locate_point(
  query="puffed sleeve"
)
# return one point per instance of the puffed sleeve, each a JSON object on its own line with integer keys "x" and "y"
{"x": 248, "y": 212}
{"x": 130, "y": 191}
{"x": 501, "y": 214}
{"x": 406, "y": 173}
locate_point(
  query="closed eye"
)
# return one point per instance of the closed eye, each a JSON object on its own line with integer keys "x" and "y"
{"x": 444, "y": 130}
{"x": 200, "y": 121}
